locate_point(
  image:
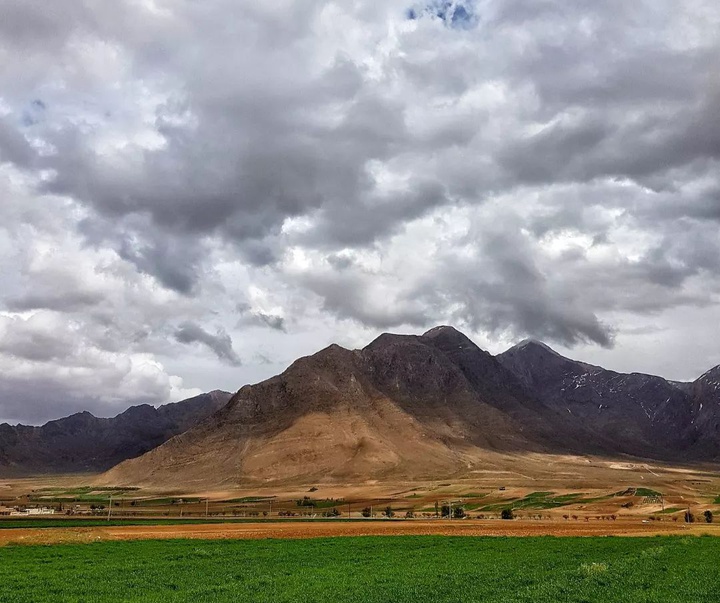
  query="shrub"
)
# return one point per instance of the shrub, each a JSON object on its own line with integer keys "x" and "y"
{"x": 366, "y": 512}
{"x": 389, "y": 512}
{"x": 507, "y": 514}
{"x": 409, "y": 515}
{"x": 458, "y": 513}
{"x": 708, "y": 516}
{"x": 445, "y": 511}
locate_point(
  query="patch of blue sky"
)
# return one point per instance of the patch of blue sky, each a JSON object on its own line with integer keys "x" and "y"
{"x": 457, "y": 14}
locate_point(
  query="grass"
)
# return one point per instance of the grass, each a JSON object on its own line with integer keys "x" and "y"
{"x": 537, "y": 500}
{"x": 250, "y": 499}
{"x": 82, "y": 494}
{"x": 644, "y": 492}
{"x": 368, "y": 570}
{"x": 647, "y": 492}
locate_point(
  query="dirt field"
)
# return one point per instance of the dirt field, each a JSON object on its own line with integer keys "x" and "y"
{"x": 318, "y": 529}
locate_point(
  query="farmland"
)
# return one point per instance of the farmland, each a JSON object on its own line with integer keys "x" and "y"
{"x": 406, "y": 568}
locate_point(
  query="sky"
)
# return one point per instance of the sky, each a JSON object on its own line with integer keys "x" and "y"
{"x": 194, "y": 194}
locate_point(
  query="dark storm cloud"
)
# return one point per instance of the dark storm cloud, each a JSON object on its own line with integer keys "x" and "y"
{"x": 254, "y": 317}
{"x": 220, "y": 343}
{"x": 499, "y": 287}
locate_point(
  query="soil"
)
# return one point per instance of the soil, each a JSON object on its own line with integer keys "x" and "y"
{"x": 318, "y": 529}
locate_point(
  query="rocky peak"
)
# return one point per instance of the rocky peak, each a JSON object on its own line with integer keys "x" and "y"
{"x": 711, "y": 378}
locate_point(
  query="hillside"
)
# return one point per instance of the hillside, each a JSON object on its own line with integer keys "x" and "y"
{"x": 427, "y": 406}
{"x": 432, "y": 406}
{"x": 85, "y": 443}
{"x": 402, "y": 406}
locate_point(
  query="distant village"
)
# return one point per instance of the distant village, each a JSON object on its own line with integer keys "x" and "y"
{"x": 23, "y": 511}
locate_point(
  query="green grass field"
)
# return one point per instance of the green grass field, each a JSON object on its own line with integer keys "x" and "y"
{"x": 368, "y": 570}
{"x": 540, "y": 500}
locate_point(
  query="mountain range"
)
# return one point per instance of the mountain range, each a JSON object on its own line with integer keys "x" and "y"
{"x": 405, "y": 406}
{"x": 85, "y": 443}
{"x": 429, "y": 406}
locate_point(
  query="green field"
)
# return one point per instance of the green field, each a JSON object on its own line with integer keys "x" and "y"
{"x": 368, "y": 570}
{"x": 540, "y": 500}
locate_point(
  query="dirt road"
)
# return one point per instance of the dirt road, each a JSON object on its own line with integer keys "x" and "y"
{"x": 319, "y": 529}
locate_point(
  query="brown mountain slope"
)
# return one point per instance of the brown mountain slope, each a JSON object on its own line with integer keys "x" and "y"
{"x": 402, "y": 407}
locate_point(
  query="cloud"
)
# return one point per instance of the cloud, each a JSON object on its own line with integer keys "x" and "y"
{"x": 319, "y": 171}
{"x": 220, "y": 343}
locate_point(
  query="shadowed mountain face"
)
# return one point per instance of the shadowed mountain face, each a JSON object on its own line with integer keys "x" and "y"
{"x": 432, "y": 406}
{"x": 629, "y": 413}
{"x": 83, "y": 442}
{"x": 705, "y": 393}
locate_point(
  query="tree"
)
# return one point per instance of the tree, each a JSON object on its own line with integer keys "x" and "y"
{"x": 409, "y": 515}
{"x": 437, "y": 509}
{"x": 367, "y": 512}
{"x": 458, "y": 513}
{"x": 689, "y": 517}
{"x": 507, "y": 514}
{"x": 389, "y": 512}
{"x": 708, "y": 516}
{"x": 445, "y": 511}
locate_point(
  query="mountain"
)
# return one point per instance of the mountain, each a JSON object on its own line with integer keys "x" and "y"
{"x": 85, "y": 443}
{"x": 404, "y": 406}
{"x": 636, "y": 414}
{"x": 428, "y": 407}
{"x": 705, "y": 394}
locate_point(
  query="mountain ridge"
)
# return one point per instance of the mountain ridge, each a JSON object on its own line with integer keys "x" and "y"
{"x": 82, "y": 442}
{"x": 418, "y": 406}
{"x": 403, "y": 406}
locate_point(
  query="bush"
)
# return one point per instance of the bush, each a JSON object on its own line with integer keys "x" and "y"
{"x": 367, "y": 512}
{"x": 708, "y": 516}
{"x": 507, "y": 514}
{"x": 409, "y": 515}
{"x": 389, "y": 512}
{"x": 445, "y": 511}
{"x": 458, "y": 513}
